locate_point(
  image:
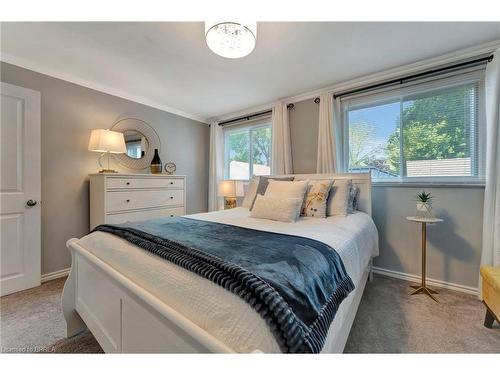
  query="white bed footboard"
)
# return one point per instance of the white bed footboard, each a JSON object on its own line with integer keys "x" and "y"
{"x": 123, "y": 317}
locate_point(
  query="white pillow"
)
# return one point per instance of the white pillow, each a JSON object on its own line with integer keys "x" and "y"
{"x": 276, "y": 208}
{"x": 251, "y": 192}
{"x": 338, "y": 198}
{"x": 286, "y": 189}
{"x": 264, "y": 181}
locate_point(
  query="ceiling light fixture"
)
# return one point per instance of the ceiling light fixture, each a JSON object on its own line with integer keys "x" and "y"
{"x": 231, "y": 39}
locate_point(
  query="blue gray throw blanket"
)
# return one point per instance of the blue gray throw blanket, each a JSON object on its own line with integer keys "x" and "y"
{"x": 296, "y": 284}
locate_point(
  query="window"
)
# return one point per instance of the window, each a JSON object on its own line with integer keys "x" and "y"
{"x": 426, "y": 132}
{"x": 134, "y": 149}
{"x": 135, "y": 143}
{"x": 247, "y": 151}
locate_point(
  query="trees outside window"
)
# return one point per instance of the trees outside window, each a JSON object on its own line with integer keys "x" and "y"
{"x": 248, "y": 152}
{"x": 425, "y": 135}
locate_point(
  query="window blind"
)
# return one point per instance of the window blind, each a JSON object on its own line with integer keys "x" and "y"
{"x": 426, "y": 131}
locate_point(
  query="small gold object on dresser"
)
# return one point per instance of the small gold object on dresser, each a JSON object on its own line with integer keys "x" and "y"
{"x": 156, "y": 166}
{"x": 230, "y": 189}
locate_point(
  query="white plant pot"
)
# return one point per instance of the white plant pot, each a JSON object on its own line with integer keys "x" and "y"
{"x": 424, "y": 207}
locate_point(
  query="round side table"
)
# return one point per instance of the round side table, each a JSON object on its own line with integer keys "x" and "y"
{"x": 422, "y": 288}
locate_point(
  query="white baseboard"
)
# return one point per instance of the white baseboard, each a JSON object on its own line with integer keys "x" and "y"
{"x": 434, "y": 282}
{"x": 55, "y": 275}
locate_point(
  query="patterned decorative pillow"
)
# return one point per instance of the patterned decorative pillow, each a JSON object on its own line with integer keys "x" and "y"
{"x": 314, "y": 204}
{"x": 263, "y": 182}
{"x": 352, "y": 204}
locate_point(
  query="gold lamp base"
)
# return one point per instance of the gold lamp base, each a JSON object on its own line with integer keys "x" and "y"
{"x": 108, "y": 169}
{"x": 229, "y": 202}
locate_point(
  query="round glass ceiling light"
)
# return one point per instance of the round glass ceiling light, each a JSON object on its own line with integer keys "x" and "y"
{"x": 231, "y": 39}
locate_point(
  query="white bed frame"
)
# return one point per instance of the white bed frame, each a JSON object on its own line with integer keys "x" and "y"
{"x": 125, "y": 318}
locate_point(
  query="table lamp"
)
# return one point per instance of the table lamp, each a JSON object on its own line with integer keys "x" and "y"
{"x": 108, "y": 142}
{"x": 230, "y": 189}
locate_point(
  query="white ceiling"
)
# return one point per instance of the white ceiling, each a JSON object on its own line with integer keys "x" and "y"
{"x": 168, "y": 64}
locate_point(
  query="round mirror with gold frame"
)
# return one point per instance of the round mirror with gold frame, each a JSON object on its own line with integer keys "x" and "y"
{"x": 140, "y": 140}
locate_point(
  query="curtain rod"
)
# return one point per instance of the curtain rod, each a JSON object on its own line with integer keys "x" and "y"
{"x": 249, "y": 117}
{"x": 401, "y": 80}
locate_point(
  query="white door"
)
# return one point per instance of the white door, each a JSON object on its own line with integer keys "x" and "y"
{"x": 19, "y": 188}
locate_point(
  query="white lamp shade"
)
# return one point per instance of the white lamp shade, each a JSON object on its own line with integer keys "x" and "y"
{"x": 103, "y": 140}
{"x": 231, "y": 188}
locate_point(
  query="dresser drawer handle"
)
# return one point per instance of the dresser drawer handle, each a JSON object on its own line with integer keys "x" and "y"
{"x": 128, "y": 200}
{"x": 171, "y": 215}
{"x": 171, "y": 182}
{"x": 171, "y": 197}
{"x": 128, "y": 182}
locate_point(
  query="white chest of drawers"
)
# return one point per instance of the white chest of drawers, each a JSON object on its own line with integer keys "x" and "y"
{"x": 117, "y": 198}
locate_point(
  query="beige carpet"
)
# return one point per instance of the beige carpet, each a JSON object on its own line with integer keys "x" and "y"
{"x": 388, "y": 321}
{"x": 32, "y": 322}
{"x": 391, "y": 321}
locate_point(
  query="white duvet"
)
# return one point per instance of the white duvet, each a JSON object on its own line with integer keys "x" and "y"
{"x": 219, "y": 312}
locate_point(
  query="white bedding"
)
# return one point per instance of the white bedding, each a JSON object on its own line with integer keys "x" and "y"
{"x": 219, "y": 312}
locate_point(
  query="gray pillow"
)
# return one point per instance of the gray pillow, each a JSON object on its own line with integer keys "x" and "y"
{"x": 338, "y": 198}
{"x": 352, "y": 204}
{"x": 264, "y": 181}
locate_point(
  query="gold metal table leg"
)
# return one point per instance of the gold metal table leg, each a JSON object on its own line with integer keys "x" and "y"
{"x": 422, "y": 288}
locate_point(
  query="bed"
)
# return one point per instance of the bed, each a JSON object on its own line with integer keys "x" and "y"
{"x": 133, "y": 301}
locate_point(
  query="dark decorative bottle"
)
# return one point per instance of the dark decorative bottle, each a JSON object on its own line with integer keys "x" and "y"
{"x": 156, "y": 166}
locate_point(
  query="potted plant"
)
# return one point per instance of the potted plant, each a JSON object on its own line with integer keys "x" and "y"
{"x": 424, "y": 203}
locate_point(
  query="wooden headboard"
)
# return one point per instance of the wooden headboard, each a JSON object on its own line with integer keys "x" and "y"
{"x": 363, "y": 180}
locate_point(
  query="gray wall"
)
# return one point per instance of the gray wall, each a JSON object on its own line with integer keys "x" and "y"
{"x": 454, "y": 246}
{"x": 69, "y": 112}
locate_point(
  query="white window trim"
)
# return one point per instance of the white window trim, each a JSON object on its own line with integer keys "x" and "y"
{"x": 388, "y": 95}
{"x": 251, "y": 128}
{"x": 428, "y": 184}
